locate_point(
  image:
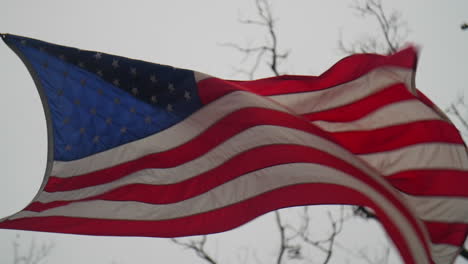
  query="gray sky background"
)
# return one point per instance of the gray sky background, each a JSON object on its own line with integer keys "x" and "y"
{"x": 187, "y": 34}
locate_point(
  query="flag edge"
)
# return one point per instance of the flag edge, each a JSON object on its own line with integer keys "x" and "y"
{"x": 47, "y": 115}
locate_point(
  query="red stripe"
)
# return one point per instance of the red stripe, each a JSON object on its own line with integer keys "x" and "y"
{"x": 218, "y": 220}
{"x": 213, "y": 136}
{"x": 398, "y": 136}
{"x": 255, "y": 159}
{"x": 348, "y": 69}
{"x": 450, "y": 183}
{"x": 447, "y": 233}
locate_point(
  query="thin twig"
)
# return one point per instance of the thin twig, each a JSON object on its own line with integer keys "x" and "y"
{"x": 453, "y": 109}
{"x": 392, "y": 27}
{"x": 325, "y": 245}
{"x": 198, "y": 246}
{"x": 283, "y": 244}
{"x": 270, "y": 49}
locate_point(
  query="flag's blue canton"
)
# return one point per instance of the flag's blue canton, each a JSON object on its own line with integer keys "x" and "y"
{"x": 99, "y": 101}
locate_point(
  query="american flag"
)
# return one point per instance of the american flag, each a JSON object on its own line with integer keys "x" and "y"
{"x": 142, "y": 149}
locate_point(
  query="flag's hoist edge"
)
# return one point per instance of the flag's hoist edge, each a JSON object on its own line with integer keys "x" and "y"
{"x": 50, "y": 140}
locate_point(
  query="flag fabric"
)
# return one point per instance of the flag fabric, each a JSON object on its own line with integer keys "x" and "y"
{"x": 142, "y": 149}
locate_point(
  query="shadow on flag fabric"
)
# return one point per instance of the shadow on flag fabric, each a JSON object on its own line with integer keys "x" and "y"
{"x": 142, "y": 149}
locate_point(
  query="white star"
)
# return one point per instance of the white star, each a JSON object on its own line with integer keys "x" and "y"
{"x": 115, "y": 63}
{"x": 148, "y": 119}
{"x": 135, "y": 90}
{"x": 170, "y": 108}
{"x": 116, "y": 82}
{"x": 133, "y": 71}
{"x": 99, "y": 72}
{"x": 96, "y": 139}
{"x": 153, "y": 78}
{"x": 62, "y": 57}
{"x": 68, "y": 147}
{"x": 81, "y": 64}
{"x": 187, "y": 96}
{"x": 108, "y": 120}
{"x": 23, "y": 42}
{"x": 171, "y": 88}
{"x": 154, "y": 99}
{"x": 132, "y": 110}
{"x": 123, "y": 130}
{"x": 98, "y": 55}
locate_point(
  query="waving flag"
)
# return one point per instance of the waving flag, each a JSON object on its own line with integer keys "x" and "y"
{"x": 141, "y": 149}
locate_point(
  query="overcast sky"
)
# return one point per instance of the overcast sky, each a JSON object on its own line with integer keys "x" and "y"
{"x": 188, "y": 34}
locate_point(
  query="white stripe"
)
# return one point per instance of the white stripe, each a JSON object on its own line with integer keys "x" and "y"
{"x": 249, "y": 139}
{"x": 167, "y": 139}
{"x": 390, "y": 115}
{"x": 370, "y": 83}
{"x": 242, "y": 188}
{"x": 420, "y": 156}
{"x": 439, "y": 209}
{"x": 444, "y": 253}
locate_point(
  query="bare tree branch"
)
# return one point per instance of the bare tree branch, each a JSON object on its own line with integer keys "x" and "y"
{"x": 269, "y": 50}
{"x": 364, "y": 212}
{"x": 303, "y": 237}
{"x": 197, "y": 246}
{"x": 375, "y": 9}
{"x": 454, "y": 110}
{"x": 258, "y": 52}
{"x": 391, "y": 25}
{"x": 325, "y": 245}
{"x": 283, "y": 240}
